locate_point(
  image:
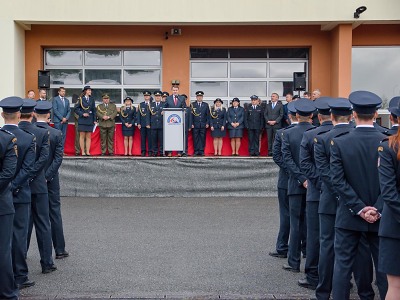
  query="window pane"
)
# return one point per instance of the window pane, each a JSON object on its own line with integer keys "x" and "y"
{"x": 249, "y": 70}
{"x": 288, "y": 53}
{"x": 280, "y": 87}
{"x": 215, "y": 70}
{"x": 142, "y": 58}
{"x": 66, "y": 76}
{"x": 285, "y": 70}
{"x": 376, "y": 69}
{"x": 210, "y": 88}
{"x": 103, "y": 58}
{"x": 246, "y": 88}
{"x": 208, "y": 53}
{"x": 63, "y": 58}
{"x": 103, "y": 77}
{"x": 137, "y": 94}
{"x": 248, "y": 53}
{"x": 142, "y": 77}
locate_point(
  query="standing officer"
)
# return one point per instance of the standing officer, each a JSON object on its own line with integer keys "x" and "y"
{"x": 273, "y": 116}
{"x": 61, "y": 112}
{"x": 8, "y": 164}
{"x": 201, "y": 121}
{"x": 145, "y": 134}
{"x": 51, "y": 174}
{"x": 254, "y": 122}
{"x": 307, "y": 166}
{"x": 281, "y": 248}
{"x": 20, "y": 188}
{"x": 39, "y": 193}
{"x": 155, "y": 119}
{"x": 355, "y": 178}
{"x": 164, "y": 96}
{"x": 297, "y": 184}
{"x": 106, "y": 113}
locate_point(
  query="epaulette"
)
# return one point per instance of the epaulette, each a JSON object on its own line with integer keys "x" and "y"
{"x": 385, "y": 140}
{"x": 310, "y": 129}
{"x": 34, "y": 137}
{"x": 386, "y": 132}
{"x": 341, "y": 134}
{"x": 5, "y": 130}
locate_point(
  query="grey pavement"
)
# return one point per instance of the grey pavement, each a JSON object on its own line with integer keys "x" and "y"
{"x": 201, "y": 248}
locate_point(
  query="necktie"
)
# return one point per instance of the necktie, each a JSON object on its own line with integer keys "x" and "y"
{"x": 254, "y": 107}
{"x": 273, "y": 105}
{"x": 175, "y": 100}
{"x": 156, "y": 104}
{"x": 63, "y": 101}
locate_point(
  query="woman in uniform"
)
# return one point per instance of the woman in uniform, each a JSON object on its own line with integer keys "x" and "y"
{"x": 85, "y": 108}
{"x": 235, "y": 117}
{"x": 128, "y": 119}
{"x": 389, "y": 227}
{"x": 218, "y": 122}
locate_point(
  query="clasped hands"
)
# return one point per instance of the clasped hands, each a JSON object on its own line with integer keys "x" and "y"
{"x": 370, "y": 214}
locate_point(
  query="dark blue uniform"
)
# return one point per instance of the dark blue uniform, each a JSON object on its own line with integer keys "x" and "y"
{"x": 393, "y": 130}
{"x": 217, "y": 121}
{"x": 8, "y": 164}
{"x": 201, "y": 119}
{"x": 308, "y": 167}
{"x": 155, "y": 120}
{"x": 145, "y": 133}
{"x": 53, "y": 186}
{"x": 235, "y": 115}
{"x": 87, "y": 105}
{"x": 39, "y": 194}
{"x": 22, "y": 199}
{"x": 188, "y": 125}
{"x": 254, "y": 122}
{"x": 128, "y": 115}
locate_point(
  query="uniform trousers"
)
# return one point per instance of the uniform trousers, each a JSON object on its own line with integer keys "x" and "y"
{"x": 157, "y": 140}
{"x": 199, "y": 140}
{"x": 19, "y": 241}
{"x": 57, "y": 232}
{"x": 254, "y": 141}
{"x": 8, "y": 288}
{"x": 297, "y": 205}
{"x": 284, "y": 222}
{"x": 40, "y": 218}
{"x": 107, "y": 139}
{"x": 346, "y": 248}
{"x": 312, "y": 219}
{"x": 145, "y": 135}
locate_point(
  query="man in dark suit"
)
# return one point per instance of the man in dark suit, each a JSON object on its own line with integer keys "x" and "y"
{"x": 39, "y": 193}
{"x": 61, "y": 112}
{"x": 53, "y": 182}
{"x": 273, "y": 116}
{"x": 175, "y": 100}
{"x": 145, "y": 134}
{"x": 254, "y": 122}
{"x": 201, "y": 121}
{"x": 8, "y": 162}
{"x": 155, "y": 119}
{"x": 355, "y": 178}
{"x": 297, "y": 184}
{"x": 307, "y": 166}
{"x": 20, "y": 188}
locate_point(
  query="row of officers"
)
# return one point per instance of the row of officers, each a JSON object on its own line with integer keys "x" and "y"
{"x": 339, "y": 196}
{"x": 31, "y": 154}
{"x": 199, "y": 116}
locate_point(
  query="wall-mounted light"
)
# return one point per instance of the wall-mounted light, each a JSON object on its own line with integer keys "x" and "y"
{"x": 359, "y": 11}
{"x": 176, "y": 31}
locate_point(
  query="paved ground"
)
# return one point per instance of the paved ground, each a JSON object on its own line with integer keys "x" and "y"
{"x": 202, "y": 248}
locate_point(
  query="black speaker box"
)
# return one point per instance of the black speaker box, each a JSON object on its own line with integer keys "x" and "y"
{"x": 299, "y": 81}
{"x": 43, "y": 79}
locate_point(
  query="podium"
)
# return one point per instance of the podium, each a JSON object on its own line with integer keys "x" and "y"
{"x": 174, "y": 129}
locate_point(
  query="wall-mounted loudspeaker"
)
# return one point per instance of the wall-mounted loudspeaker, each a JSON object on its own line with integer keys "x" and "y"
{"x": 299, "y": 81}
{"x": 43, "y": 79}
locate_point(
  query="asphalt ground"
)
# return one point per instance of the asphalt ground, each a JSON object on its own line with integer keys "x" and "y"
{"x": 174, "y": 248}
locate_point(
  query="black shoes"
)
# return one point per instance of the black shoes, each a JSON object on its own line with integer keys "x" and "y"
{"x": 289, "y": 268}
{"x": 26, "y": 284}
{"x": 62, "y": 255}
{"x": 306, "y": 284}
{"x": 277, "y": 254}
{"x": 49, "y": 269}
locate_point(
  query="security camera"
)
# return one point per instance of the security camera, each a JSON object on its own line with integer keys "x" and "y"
{"x": 359, "y": 11}
{"x": 176, "y": 31}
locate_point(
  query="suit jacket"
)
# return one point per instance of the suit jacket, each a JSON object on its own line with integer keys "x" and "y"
{"x": 110, "y": 111}
{"x": 235, "y": 116}
{"x": 38, "y": 181}
{"x": 201, "y": 115}
{"x": 322, "y": 153}
{"x": 56, "y": 150}
{"x": 26, "y": 144}
{"x": 154, "y": 116}
{"x": 218, "y": 117}
{"x": 8, "y": 165}
{"x": 355, "y": 177}
{"x": 254, "y": 118}
{"x": 275, "y": 114}
{"x": 169, "y": 102}
{"x": 59, "y": 110}
{"x": 291, "y": 140}
{"x": 88, "y": 106}
{"x": 283, "y": 175}
{"x": 307, "y": 161}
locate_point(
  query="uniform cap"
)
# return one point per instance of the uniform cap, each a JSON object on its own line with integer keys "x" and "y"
{"x": 128, "y": 98}
{"x": 253, "y": 97}
{"x": 28, "y": 106}
{"x": 87, "y": 87}
{"x": 236, "y": 99}
{"x": 291, "y": 109}
{"x": 11, "y": 104}
{"x": 43, "y": 107}
{"x": 304, "y": 107}
{"x": 340, "y": 107}
{"x": 199, "y": 93}
{"x": 218, "y": 100}
{"x": 364, "y": 102}
{"x": 165, "y": 94}
{"x": 322, "y": 105}
{"x": 146, "y": 93}
{"x": 157, "y": 93}
{"x": 105, "y": 96}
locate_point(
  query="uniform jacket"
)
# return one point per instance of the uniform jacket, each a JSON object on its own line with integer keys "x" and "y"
{"x": 201, "y": 114}
{"x": 188, "y": 118}
{"x": 218, "y": 117}
{"x": 8, "y": 164}
{"x": 38, "y": 180}
{"x": 235, "y": 116}
{"x": 275, "y": 114}
{"x": 307, "y": 161}
{"x": 26, "y": 145}
{"x": 88, "y": 106}
{"x": 141, "y": 114}
{"x": 283, "y": 175}
{"x": 254, "y": 118}
{"x": 393, "y": 130}
{"x": 110, "y": 111}
{"x": 128, "y": 115}
{"x": 355, "y": 177}
{"x": 154, "y": 116}
{"x": 59, "y": 110}
{"x": 291, "y": 140}
{"x": 380, "y": 128}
